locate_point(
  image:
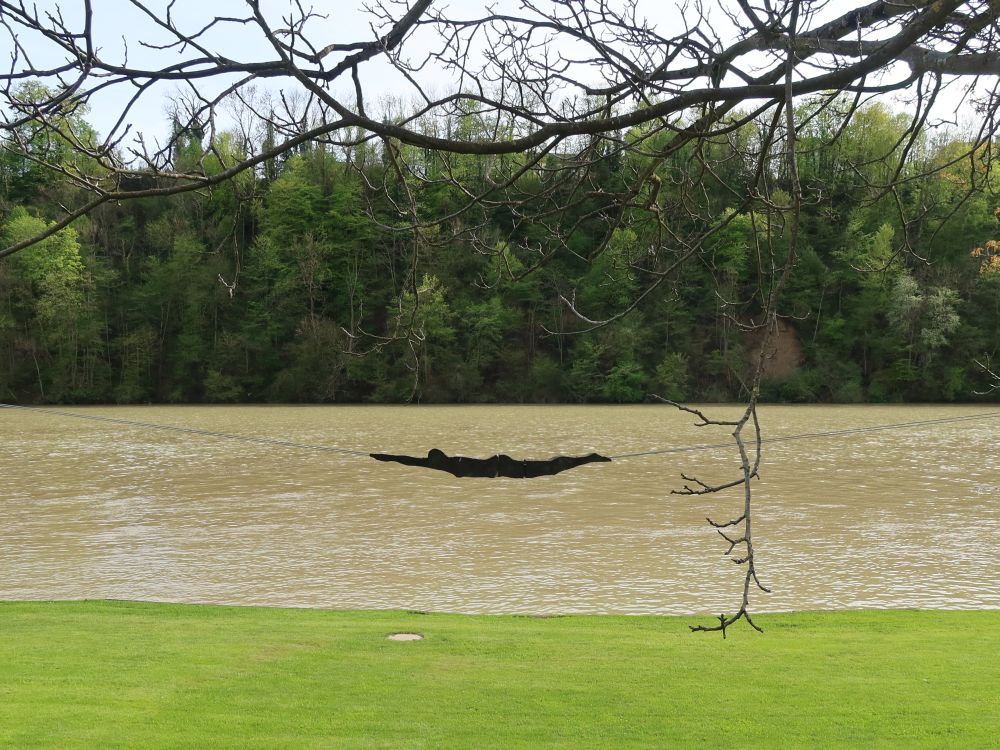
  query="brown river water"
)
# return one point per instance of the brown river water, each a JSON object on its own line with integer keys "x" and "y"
{"x": 897, "y": 518}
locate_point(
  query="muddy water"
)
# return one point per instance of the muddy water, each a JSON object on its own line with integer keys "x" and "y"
{"x": 905, "y": 518}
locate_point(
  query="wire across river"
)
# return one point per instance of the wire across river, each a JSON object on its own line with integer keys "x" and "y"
{"x": 366, "y": 454}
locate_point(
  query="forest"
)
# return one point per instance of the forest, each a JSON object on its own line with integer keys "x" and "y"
{"x": 304, "y": 280}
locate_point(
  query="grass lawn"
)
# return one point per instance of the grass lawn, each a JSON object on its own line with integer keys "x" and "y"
{"x": 131, "y": 675}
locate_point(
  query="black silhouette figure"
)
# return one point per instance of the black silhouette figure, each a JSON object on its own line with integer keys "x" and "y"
{"x": 494, "y": 466}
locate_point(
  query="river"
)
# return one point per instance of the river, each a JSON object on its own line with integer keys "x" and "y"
{"x": 897, "y": 518}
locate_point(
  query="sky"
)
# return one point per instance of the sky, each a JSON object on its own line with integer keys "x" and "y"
{"x": 120, "y": 26}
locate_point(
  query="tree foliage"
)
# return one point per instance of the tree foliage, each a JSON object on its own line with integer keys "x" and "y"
{"x": 274, "y": 297}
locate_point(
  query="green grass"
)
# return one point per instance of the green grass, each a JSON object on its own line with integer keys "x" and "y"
{"x": 130, "y": 675}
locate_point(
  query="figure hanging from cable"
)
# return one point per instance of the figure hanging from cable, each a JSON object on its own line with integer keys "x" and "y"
{"x": 495, "y": 466}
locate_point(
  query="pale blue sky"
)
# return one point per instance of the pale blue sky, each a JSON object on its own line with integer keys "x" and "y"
{"x": 118, "y": 20}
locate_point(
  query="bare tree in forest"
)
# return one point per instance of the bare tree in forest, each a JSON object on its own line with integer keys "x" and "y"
{"x": 557, "y": 90}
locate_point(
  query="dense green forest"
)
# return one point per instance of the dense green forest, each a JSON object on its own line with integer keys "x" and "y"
{"x": 306, "y": 281}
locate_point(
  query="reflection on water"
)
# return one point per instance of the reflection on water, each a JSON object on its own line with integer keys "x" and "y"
{"x": 905, "y": 518}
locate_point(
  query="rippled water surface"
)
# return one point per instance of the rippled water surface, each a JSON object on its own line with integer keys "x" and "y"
{"x": 902, "y": 518}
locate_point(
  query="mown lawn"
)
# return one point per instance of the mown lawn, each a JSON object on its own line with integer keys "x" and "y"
{"x": 131, "y": 675}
